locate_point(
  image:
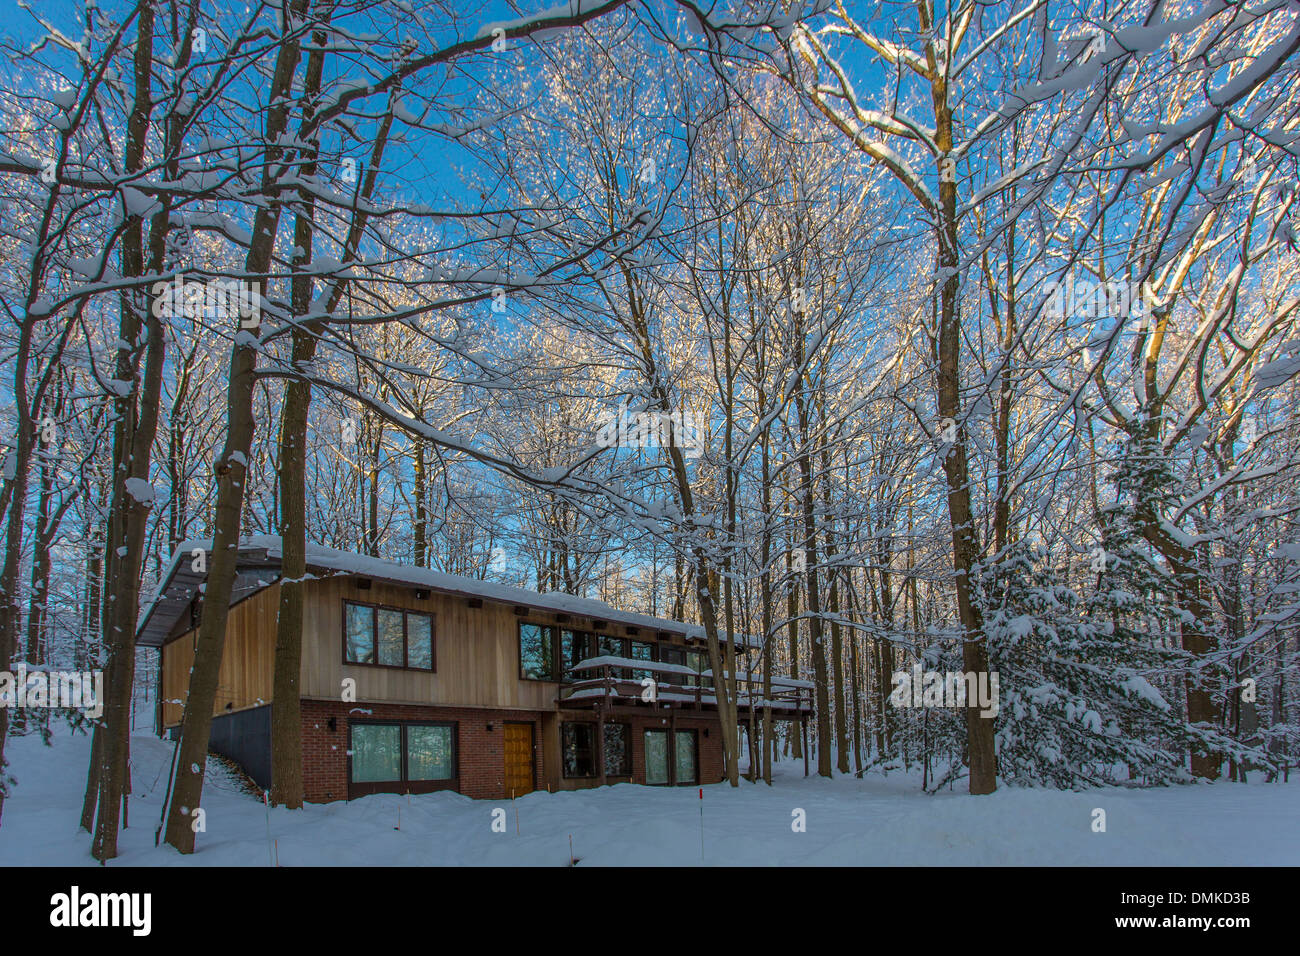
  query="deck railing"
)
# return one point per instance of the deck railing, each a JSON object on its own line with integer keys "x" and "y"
{"x": 660, "y": 684}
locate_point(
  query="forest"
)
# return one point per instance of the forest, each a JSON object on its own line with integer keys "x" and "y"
{"x": 903, "y": 336}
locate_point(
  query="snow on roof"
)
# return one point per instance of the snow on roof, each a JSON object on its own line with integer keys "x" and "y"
{"x": 776, "y": 680}
{"x": 607, "y": 660}
{"x": 677, "y": 697}
{"x": 267, "y": 550}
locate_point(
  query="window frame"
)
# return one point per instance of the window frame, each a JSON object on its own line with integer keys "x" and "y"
{"x": 668, "y": 752}
{"x": 554, "y": 631}
{"x": 451, "y": 725}
{"x": 695, "y": 780}
{"x": 670, "y": 734}
{"x": 618, "y": 673}
{"x": 652, "y": 659}
{"x": 587, "y": 638}
{"x": 401, "y": 749}
{"x": 627, "y": 749}
{"x": 406, "y": 612}
{"x": 564, "y": 770}
{"x": 698, "y": 680}
{"x": 404, "y": 784}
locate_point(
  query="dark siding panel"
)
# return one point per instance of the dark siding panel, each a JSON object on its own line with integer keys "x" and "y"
{"x": 245, "y": 737}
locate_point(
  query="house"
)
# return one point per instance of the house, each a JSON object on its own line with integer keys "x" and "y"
{"x": 413, "y": 680}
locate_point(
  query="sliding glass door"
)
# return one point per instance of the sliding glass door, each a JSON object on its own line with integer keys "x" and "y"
{"x": 671, "y": 759}
{"x": 684, "y": 762}
{"x": 656, "y": 757}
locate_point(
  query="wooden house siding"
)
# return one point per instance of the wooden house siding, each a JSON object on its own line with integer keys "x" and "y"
{"x": 247, "y": 665}
{"x": 476, "y": 651}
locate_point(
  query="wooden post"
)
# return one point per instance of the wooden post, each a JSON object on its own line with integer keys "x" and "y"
{"x": 803, "y": 732}
{"x": 600, "y": 730}
{"x": 672, "y": 747}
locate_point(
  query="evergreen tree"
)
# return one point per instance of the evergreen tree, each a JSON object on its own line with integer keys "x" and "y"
{"x": 1078, "y": 673}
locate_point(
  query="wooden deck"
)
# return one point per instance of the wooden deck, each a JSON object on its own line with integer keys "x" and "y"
{"x": 614, "y": 689}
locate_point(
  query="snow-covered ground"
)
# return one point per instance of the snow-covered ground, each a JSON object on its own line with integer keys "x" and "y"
{"x": 849, "y": 822}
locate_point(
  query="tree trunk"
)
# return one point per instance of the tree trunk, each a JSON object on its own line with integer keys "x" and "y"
{"x": 765, "y": 589}
{"x": 833, "y": 606}
{"x": 286, "y": 702}
{"x": 965, "y": 551}
{"x": 792, "y": 630}
{"x": 232, "y": 467}
{"x": 135, "y": 428}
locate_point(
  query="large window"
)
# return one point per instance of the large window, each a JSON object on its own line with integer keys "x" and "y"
{"x": 578, "y": 750}
{"x": 419, "y": 641}
{"x": 388, "y": 637}
{"x": 359, "y": 626}
{"x": 698, "y": 661}
{"x": 642, "y": 652}
{"x": 388, "y": 753}
{"x": 551, "y": 653}
{"x": 376, "y": 753}
{"x": 392, "y": 637}
{"x": 607, "y": 646}
{"x": 674, "y": 655}
{"x": 536, "y": 651}
{"x": 656, "y": 757}
{"x": 684, "y": 761}
{"x": 575, "y": 647}
{"x": 671, "y": 759}
{"x": 430, "y": 751}
{"x": 618, "y": 750}
{"x": 578, "y": 754}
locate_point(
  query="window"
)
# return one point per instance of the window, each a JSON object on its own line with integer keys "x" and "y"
{"x": 376, "y": 753}
{"x": 698, "y": 661}
{"x": 575, "y": 647}
{"x": 430, "y": 751}
{"x": 672, "y": 655}
{"x": 536, "y": 652}
{"x": 642, "y": 652}
{"x": 618, "y": 750}
{"x": 389, "y": 637}
{"x": 607, "y": 646}
{"x": 403, "y": 753}
{"x": 578, "y": 749}
{"x": 578, "y": 754}
{"x": 419, "y": 641}
{"x": 671, "y": 760}
{"x": 656, "y": 757}
{"x": 392, "y": 639}
{"x": 360, "y": 631}
{"x": 684, "y": 756}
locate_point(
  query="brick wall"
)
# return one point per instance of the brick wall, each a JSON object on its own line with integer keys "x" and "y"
{"x": 480, "y": 753}
{"x": 708, "y": 748}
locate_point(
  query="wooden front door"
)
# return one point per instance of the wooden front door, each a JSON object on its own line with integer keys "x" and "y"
{"x": 519, "y": 759}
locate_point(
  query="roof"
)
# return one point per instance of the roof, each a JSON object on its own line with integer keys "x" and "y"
{"x": 259, "y": 563}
